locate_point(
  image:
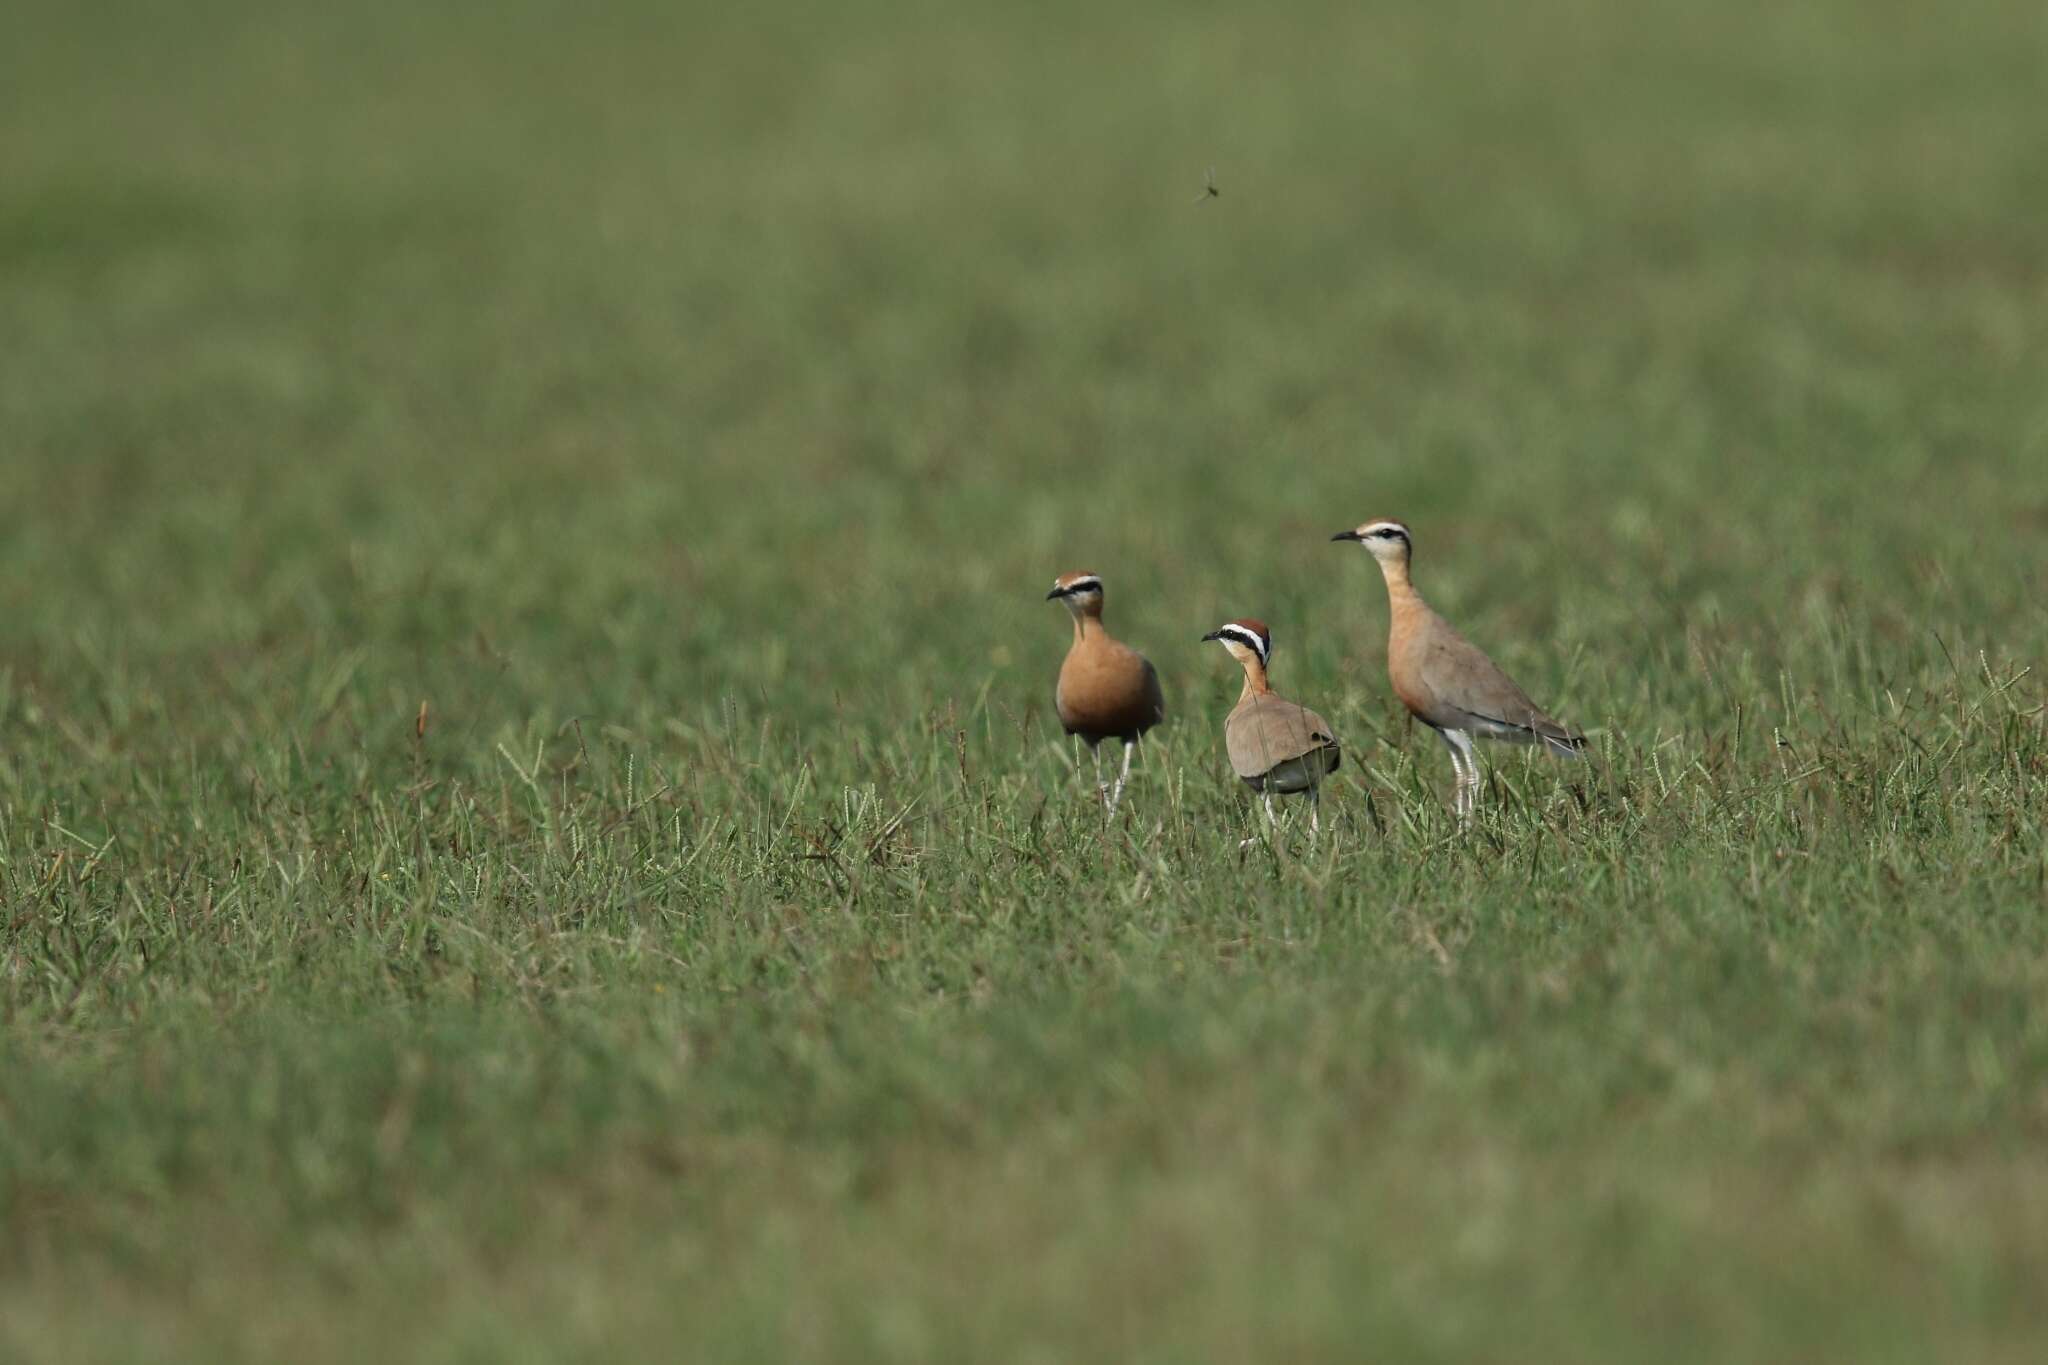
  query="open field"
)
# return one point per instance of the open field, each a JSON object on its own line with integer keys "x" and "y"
{"x": 691, "y": 407}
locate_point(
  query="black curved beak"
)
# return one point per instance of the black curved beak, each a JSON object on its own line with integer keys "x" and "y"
{"x": 1212, "y": 635}
{"x": 1056, "y": 592}
{"x": 1347, "y": 535}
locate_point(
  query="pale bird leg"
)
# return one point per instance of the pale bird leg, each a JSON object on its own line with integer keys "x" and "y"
{"x": 1271, "y": 822}
{"x": 1472, "y": 780}
{"x": 1101, "y": 787}
{"x": 1465, "y": 763}
{"x": 1315, "y": 813}
{"x": 1122, "y": 777}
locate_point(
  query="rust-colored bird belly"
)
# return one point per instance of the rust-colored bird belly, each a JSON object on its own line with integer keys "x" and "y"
{"x": 1107, "y": 690}
{"x": 1404, "y": 671}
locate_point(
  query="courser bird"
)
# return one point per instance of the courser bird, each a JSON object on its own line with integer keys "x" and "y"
{"x": 1442, "y": 677}
{"x": 1274, "y": 744}
{"x": 1106, "y": 690}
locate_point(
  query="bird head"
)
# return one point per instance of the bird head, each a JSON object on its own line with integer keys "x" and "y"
{"x": 1247, "y": 640}
{"x": 1081, "y": 592}
{"x": 1384, "y": 539}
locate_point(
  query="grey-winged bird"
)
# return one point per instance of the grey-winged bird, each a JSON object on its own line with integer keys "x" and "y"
{"x": 1274, "y": 744}
{"x": 1443, "y": 679}
{"x": 1107, "y": 690}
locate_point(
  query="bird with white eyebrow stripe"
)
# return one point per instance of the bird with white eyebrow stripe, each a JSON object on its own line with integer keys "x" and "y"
{"x": 1274, "y": 744}
{"x": 1106, "y": 689}
{"x": 1443, "y": 679}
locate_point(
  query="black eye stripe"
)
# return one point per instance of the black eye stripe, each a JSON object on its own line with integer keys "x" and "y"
{"x": 1239, "y": 635}
{"x": 1085, "y": 585}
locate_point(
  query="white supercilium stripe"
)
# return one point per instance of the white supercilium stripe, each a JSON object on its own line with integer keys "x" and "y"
{"x": 1244, "y": 637}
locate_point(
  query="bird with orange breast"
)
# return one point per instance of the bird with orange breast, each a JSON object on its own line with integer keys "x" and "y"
{"x": 1106, "y": 689}
{"x": 1443, "y": 679}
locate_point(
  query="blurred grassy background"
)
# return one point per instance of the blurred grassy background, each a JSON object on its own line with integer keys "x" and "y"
{"x": 690, "y": 405}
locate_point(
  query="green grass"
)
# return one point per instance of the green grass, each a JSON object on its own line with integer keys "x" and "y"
{"x": 691, "y": 408}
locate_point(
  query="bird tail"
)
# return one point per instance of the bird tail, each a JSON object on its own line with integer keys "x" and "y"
{"x": 1561, "y": 741}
